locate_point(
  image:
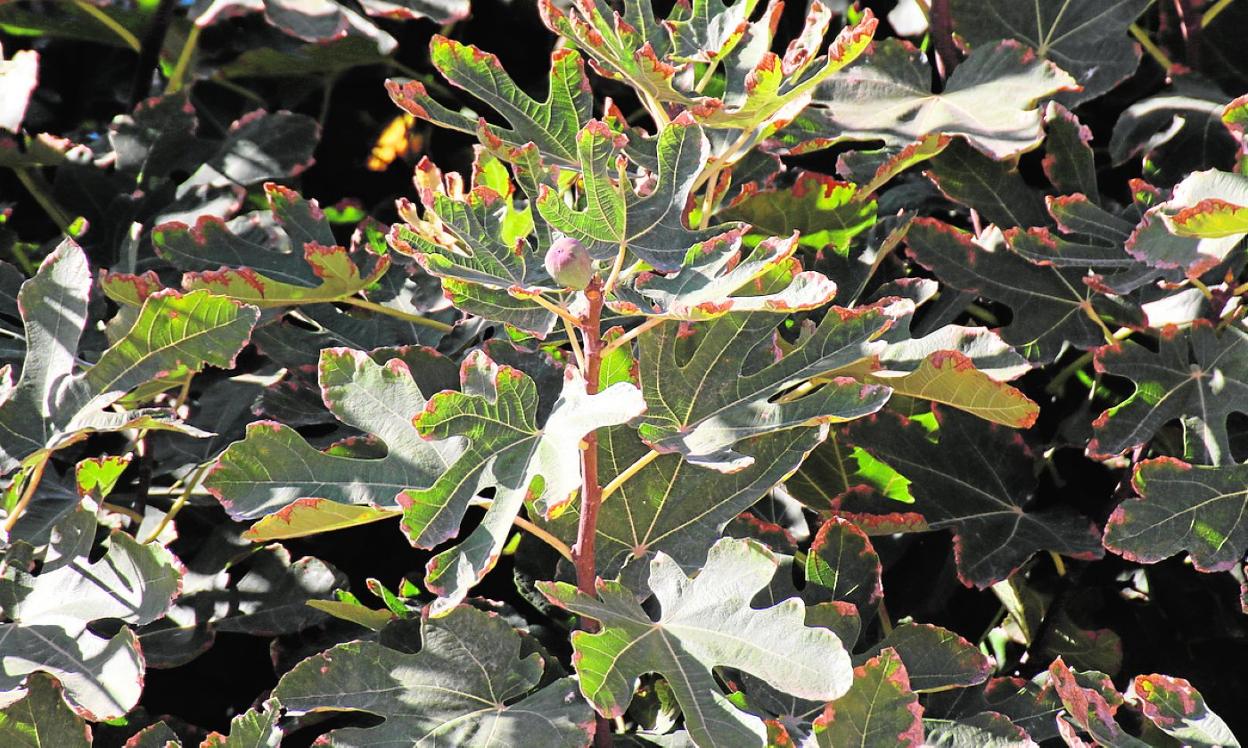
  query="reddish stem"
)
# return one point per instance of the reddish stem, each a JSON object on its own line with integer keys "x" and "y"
{"x": 941, "y": 30}
{"x": 591, "y": 491}
{"x": 1189, "y": 17}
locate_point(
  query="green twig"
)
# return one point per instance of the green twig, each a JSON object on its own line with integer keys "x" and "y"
{"x": 106, "y": 20}
{"x": 178, "y": 76}
{"x": 415, "y": 319}
{"x": 185, "y": 496}
{"x": 1152, "y": 49}
{"x": 1213, "y": 12}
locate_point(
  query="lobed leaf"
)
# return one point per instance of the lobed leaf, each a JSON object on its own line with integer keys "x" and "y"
{"x": 704, "y": 622}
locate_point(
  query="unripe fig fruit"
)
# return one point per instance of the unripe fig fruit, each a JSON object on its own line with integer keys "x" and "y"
{"x": 569, "y": 263}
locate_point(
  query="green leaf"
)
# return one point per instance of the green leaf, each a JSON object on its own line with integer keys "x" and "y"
{"x": 630, "y": 46}
{"x": 880, "y": 708}
{"x": 842, "y": 561}
{"x": 653, "y": 226}
{"x": 935, "y": 658}
{"x": 1087, "y": 40}
{"x": 704, "y": 622}
{"x": 49, "y": 615}
{"x": 719, "y": 277}
{"x": 676, "y": 508}
{"x": 52, "y": 406}
{"x": 43, "y": 719}
{"x": 706, "y": 391}
{"x": 274, "y": 466}
{"x": 303, "y": 266}
{"x": 506, "y": 449}
{"x": 552, "y": 125}
{"x": 951, "y": 378}
{"x": 251, "y": 729}
{"x": 304, "y": 517}
{"x": 827, "y": 213}
{"x": 1068, "y": 159}
{"x": 886, "y": 95}
{"x": 471, "y": 683}
{"x": 1179, "y": 710}
{"x": 1195, "y": 508}
{"x": 764, "y": 90}
{"x": 981, "y": 496}
{"x": 1197, "y": 375}
{"x": 484, "y": 249}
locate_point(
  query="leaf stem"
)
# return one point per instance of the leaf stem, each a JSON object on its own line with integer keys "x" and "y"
{"x": 188, "y": 489}
{"x": 556, "y": 310}
{"x": 178, "y": 75}
{"x": 1208, "y": 16}
{"x": 535, "y": 530}
{"x": 591, "y": 491}
{"x": 629, "y": 472}
{"x": 110, "y": 23}
{"x": 1150, "y": 47}
{"x": 415, "y": 319}
{"x": 616, "y": 267}
{"x": 1058, "y": 564}
{"x": 626, "y": 337}
{"x": 576, "y": 347}
{"x": 28, "y": 492}
{"x": 1189, "y": 21}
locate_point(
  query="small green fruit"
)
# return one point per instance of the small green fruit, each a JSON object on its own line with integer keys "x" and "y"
{"x": 569, "y": 263}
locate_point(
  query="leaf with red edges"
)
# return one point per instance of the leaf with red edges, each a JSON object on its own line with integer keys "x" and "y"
{"x": 880, "y": 708}
{"x": 1198, "y": 375}
{"x": 981, "y": 495}
{"x": 1179, "y": 710}
{"x": 1200, "y": 509}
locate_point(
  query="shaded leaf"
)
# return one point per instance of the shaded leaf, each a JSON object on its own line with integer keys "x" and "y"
{"x": 1197, "y": 374}
{"x": 274, "y": 466}
{"x": 981, "y": 496}
{"x": 1087, "y": 40}
{"x": 1052, "y": 306}
{"x": 468, "y": 685}
{"x": 1195, "y": 508}
{"x": 292, "y": 260}
{"x": 935, "y": 658}
{"x": 676, "y": 508}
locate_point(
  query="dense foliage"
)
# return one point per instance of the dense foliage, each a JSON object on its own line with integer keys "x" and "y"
{"x": 735, "y": 374}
